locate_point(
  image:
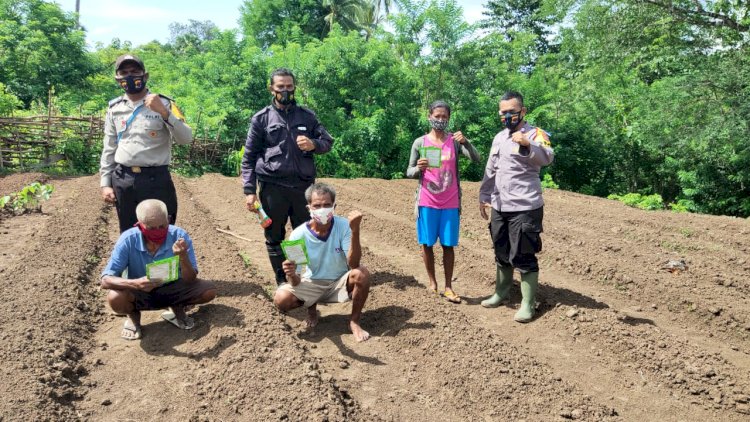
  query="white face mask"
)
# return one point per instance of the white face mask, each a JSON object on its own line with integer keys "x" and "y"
{"x": 322, "y": 215}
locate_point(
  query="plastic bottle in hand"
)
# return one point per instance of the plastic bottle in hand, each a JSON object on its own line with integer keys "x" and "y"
{"x": 263, "y": 218}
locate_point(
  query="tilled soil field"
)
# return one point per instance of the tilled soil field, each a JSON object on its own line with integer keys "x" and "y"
{"x": 617, "y": 337}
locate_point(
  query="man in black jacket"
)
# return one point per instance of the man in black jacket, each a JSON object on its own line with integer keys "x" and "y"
{"x": 279, "y": 162}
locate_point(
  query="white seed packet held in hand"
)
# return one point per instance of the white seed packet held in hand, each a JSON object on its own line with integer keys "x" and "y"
{"x": 295, "y": 250}
{"x": 166, "y": 270}
{"x": 433, "y": 156}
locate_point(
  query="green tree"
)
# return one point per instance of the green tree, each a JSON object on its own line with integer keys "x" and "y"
{"x": 40, "y": 46}
{"x": 191, "y": 36}
{"x": 268, "y": 22}
{"x": 511, "y": 17}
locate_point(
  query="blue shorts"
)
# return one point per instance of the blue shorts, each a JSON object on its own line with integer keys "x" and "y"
{"x": 433, "y": 223}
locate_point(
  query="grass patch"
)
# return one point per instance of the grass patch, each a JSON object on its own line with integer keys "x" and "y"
{"x": 245, "y": 258}
{"x": 268, "y": 290}
{"x": 677, "y": 247}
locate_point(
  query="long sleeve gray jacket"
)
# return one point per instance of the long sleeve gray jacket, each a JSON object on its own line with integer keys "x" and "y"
{"x": 511, "y": 178}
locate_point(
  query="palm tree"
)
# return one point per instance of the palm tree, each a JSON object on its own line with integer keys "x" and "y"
{"x": 369, "y": 20}
{"x": 386, "y": 4}
{"x": 363, "y": 15}
{"x": 346, "y": 13}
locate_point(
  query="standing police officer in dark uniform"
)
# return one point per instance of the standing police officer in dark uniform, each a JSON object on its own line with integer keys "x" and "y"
{"x": 138, "y": 134}
{"x": 279, "y": 162}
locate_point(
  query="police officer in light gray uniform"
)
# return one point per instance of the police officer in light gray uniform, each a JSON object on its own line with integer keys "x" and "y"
{"x": 512, "y": 188}
{"x": 139, "y": 130}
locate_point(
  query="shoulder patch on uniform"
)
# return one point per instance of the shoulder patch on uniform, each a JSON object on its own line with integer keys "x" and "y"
{"x": 116, "y": 101}
{"x": 542, "y": 137}
{"x": 173, "y": 107}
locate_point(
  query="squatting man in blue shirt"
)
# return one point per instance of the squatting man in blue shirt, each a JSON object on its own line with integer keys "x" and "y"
{"x": 153, "y": 239}
{"x": 333, "y": 272}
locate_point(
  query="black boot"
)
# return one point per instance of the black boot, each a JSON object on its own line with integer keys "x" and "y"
{"x": 276, "y": 256}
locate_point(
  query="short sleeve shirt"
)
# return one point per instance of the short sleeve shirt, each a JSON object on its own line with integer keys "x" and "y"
{"x": 130, "y": 252}
{"x": 327, "y": 256}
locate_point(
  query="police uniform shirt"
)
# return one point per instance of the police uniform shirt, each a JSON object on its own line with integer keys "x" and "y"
{"x": 511, "y": 178}
{"x": 145, "y": 142}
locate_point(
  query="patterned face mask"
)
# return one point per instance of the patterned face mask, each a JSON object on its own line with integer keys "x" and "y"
{"x": 322, "y": 215}
{"x": 132, "y": 84}
{"x": 439, "y": 124}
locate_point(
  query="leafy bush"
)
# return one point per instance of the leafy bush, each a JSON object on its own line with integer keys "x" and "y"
{"x": 682, "y": 205}
{"x": 8, "y": 101}
{"x": 548, "y": 183}
{"x": 27, "y": 199}
{"x": 636, "y": 200}
{"x": 234, "y": 162}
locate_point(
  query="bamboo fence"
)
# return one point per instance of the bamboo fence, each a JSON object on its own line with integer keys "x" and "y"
{"x": 33, "y": 142}
{"x": 28, "y": 142}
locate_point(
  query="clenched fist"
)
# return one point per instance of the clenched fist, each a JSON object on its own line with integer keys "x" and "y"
{"x": 355, "y": 219}
{"x": 153, "y": 102}
{"x": 305, "y": 144}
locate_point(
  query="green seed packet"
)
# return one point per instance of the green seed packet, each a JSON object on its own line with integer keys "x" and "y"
{"x": 433, "y": 155}
{"x": 295, "y": 250}
{"x": 167, "y": 270}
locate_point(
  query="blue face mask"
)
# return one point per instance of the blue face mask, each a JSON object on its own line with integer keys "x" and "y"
{"x": 132, "y": 84}
{"x": 511, "y": 120}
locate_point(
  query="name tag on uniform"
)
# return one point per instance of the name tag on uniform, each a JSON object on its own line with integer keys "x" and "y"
{"x": 301, "y": 128}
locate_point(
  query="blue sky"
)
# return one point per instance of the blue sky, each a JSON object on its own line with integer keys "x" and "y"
{"x": 143, "y": 21}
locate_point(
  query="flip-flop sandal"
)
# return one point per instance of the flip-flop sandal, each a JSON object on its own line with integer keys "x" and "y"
{"x": 451, "y": 296}
{"x": 129, "y": 326}
{"x": 434, "y": 291}
{"x": 171, "y": 318}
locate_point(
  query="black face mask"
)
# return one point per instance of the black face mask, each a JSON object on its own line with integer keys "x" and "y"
{"x": 132, "y": 84}
{"x": 511, "y": 120}
{"x": 284, "y": 97}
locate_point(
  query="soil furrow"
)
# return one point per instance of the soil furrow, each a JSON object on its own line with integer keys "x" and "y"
{"x": 49, "y": 310}
{"x": 617, "y": 336}
{"x": 238, "y": 363}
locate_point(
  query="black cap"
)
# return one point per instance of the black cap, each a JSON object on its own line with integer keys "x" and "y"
{"x": 125, "y": 58}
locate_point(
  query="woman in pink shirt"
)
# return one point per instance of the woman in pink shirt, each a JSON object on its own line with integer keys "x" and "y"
{"x": 434, "y": 161}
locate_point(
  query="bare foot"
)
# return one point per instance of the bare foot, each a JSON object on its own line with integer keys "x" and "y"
{"x": 312, "y": 317}
{"x": 131, "y": 330}
{"x": 359, "y": 333}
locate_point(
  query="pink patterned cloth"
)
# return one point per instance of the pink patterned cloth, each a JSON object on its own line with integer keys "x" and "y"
{"x": 439, "y": 185}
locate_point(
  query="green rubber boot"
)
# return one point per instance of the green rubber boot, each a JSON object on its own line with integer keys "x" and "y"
{"x": 503, "y": 281}
{"x": 529, "y": 284}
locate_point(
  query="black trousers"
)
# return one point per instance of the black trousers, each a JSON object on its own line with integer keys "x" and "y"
{"x": 131, "y": 188}
{"x": 516, "y": 238}
{"x": 282, "y": 204}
